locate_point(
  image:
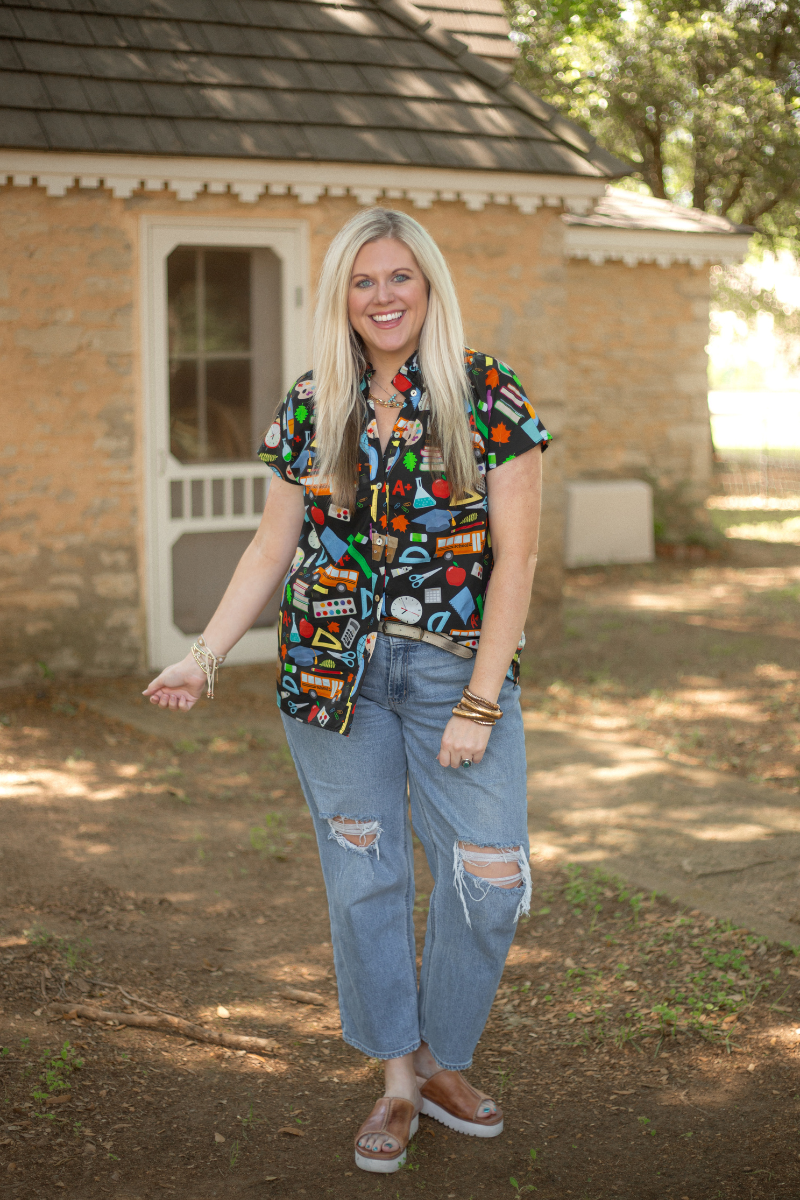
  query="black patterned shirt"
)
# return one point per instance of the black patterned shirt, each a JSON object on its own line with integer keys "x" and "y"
{"x": 406, "y": 552}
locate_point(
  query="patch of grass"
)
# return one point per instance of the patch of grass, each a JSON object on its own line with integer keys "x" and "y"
{"x": 270, "y": 839}
{"x": 55, "y": 1075}
{"x": 75, "y": 954}
{"x": 588, "y": 890}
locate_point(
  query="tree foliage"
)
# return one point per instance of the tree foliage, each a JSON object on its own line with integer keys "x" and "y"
{"x": 702, "y": 101}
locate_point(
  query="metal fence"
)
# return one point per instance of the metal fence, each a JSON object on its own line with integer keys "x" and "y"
{"x": 769, "y": 473}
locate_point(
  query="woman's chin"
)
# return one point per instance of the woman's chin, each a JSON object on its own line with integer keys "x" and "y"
{"x": 388, "y": 341}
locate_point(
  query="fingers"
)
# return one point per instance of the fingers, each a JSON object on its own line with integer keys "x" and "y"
{"x": 173, "y": 699}
{"x": 462, "y": 739}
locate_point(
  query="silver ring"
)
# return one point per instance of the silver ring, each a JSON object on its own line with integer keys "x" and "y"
{"x": 466, "y": 762}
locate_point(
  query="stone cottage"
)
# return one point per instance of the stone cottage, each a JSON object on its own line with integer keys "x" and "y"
{"x": 172, "y": 172}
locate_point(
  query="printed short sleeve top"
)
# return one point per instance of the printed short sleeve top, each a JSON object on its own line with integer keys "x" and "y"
{"x": 407, "y": 551}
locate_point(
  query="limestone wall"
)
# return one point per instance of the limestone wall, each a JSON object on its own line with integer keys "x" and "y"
{"x": 71, "y": 534}
{"x": 637, "y": 381}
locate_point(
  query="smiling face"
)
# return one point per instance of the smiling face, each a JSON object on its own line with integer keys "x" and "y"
{"x": 387, "y": 301}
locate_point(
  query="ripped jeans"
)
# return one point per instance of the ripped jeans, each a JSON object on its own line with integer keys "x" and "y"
{"x": 460, "y": 816}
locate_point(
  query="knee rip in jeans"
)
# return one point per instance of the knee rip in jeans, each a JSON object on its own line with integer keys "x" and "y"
{"x": 360, "y": 836}
{"x": 482, "y": 867}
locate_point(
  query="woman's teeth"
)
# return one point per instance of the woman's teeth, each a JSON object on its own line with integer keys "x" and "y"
{"x": 395, "y": 316}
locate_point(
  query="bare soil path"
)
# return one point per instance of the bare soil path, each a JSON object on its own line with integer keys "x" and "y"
{"x": 641, "y": 1048}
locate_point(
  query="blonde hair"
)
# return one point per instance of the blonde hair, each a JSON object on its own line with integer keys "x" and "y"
{"x": 338, "y": 357}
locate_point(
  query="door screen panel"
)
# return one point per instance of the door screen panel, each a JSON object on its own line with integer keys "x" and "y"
{"x": 202, "y": 565}
{"x": 224, "y": 344}
{"x": 224, "y": 351}
{"x": 224, "y": 326}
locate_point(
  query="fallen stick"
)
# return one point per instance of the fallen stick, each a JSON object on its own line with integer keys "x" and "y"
{"x": 300, "y": 996}
{"x": 133, "y": 999}
{"x": 167, "y": 1024}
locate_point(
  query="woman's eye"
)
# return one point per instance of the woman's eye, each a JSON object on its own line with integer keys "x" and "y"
{"x": 364, "y": 283}
{"x": 400, "y": 278}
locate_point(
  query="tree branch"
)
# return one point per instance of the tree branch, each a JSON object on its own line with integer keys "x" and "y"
{"x": 167, "y": 1024}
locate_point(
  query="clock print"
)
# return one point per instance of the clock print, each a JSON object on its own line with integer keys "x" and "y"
{"x": 407, "y": 608}
{"x": 273, "y": 435}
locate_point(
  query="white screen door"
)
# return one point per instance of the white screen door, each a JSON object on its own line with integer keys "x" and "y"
{"x": 224, "y": 338}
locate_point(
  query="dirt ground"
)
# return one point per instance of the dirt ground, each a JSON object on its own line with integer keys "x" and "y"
{"x": 638, "y": 1050}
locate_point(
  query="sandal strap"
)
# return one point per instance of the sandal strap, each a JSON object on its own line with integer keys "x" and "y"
{"x": 450, "y": 1090}
{"x": 391, "y": 1116}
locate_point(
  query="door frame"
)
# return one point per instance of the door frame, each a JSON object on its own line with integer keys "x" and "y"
{"x": 159, "y": 236}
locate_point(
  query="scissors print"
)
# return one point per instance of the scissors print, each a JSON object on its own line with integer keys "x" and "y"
{"x": 348, "y": 657}
{"x": 293, "y": 708}
{"x": 417, "y": 580}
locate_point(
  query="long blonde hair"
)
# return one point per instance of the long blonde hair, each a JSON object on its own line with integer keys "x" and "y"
{"x": 338, "y": 357}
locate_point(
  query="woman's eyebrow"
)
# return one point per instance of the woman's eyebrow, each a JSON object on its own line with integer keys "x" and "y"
{"x": 394, "y": 271}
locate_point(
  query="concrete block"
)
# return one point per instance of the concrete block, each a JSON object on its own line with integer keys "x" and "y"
{"x": 609, "y": 522}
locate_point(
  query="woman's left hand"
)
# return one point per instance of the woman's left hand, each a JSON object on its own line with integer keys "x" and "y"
{"x": 463, "y": 739}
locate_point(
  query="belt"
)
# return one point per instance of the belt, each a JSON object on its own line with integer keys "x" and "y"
{"x": 394, "y": 629}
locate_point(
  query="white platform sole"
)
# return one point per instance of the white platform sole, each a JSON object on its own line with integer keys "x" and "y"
{"x": 387, "y": 1166}
{"x": 471, "y": 1128}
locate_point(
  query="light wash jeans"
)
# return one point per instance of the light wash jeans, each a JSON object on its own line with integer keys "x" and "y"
{"x": 408, "y": 691}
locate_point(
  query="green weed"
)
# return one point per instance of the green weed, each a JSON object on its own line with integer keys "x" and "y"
{"x": 75, "y": 954}
{"x": 270, "y": 839}
{"x": 186, "y": 746}
{"x": 57, "y": 1068}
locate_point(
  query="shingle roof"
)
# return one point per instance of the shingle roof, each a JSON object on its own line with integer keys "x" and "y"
{"x": 481, "y": 24}
{"x": 620, "y": 209}
{"x": 365, "y": 81}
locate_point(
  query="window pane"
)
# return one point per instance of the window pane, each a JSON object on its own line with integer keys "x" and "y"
{"x": 183, "y": 425}
{"x": 181, "y": 292}
{"x": 228, "y": 401}
{"x": 227, "y": 288}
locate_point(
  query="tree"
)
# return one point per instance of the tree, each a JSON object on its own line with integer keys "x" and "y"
{"x": 701, "y": 100}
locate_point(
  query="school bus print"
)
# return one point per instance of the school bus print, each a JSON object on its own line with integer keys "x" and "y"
{"x": 338, "y": 577}
{"x": 469, "y": 542}
{"x": 321, "y": 686}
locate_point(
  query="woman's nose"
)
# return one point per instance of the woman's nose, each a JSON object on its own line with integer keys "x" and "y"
{"x": 384, "y": 292}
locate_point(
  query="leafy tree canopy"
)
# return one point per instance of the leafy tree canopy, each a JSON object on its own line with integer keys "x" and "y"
{"x": 701, "y": 100}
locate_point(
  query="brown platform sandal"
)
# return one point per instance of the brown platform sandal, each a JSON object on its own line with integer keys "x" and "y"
{"x": 398, "y": 1119}
{"x": 447, "y": 1097}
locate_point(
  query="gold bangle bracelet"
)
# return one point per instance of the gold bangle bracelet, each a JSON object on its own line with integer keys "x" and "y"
{"x": 480, "y": 710}
{"x": 480, "y": 700}
{"x": 462, "y": 712}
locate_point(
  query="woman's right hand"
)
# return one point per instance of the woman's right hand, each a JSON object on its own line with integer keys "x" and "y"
{"x": 178, "y": 686}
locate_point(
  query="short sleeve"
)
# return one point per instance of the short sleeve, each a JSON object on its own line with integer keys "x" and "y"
{"x": 286, "y": 448}
{"x": 512, "y": 423}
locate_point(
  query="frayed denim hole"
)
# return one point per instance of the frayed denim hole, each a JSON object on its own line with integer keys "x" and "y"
{"x": 464, "y": 880}
{"x": 342, "y": 830}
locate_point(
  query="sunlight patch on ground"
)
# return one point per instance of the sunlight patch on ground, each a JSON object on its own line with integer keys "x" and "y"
{"x": 768, "y": 531}
{"x": 732, "y": 833}
{"x": 755, "y": 503}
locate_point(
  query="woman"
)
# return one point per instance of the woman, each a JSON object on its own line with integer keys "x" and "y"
{"x": 403, "y": 520}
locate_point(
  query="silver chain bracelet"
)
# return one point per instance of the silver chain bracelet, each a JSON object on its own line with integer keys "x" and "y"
{"x": 209, "y": 662}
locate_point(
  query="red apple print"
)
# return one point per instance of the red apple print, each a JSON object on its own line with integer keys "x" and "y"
{"x": 440, "y": 487}
{"x": 306, "y": 628}
{"x": 455, "y": 576}
{"x": 318, "y": 515}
